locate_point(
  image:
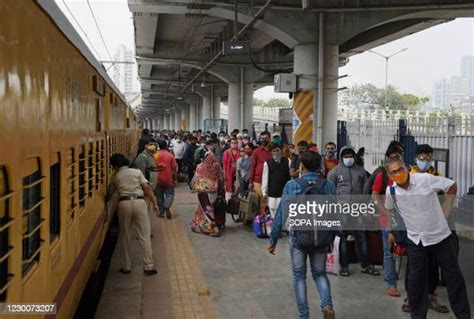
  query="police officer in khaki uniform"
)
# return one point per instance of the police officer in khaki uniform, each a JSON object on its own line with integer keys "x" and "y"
{"x": 131, "y": 185}
{"x": 146, "y": 163}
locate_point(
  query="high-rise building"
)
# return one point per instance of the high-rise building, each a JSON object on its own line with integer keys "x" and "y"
{"x": 467, "y": 71}
{"x": 123, "y": 72}
{"x": 441, "y": 95}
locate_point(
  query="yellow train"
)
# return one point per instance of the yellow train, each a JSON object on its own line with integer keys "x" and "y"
{"x": 61, "y": 118}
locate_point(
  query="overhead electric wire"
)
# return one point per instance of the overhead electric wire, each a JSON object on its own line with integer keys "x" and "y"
{"x": 100, "y": 33}
{"x": 80, "y": 27}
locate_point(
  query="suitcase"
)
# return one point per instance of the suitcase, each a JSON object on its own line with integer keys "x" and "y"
{"x": 375, "y": 247}
{"x": 249, "y": 207}
{"x": 220, "y": 212}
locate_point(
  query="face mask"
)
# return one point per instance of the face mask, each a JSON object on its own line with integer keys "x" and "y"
{"x": 249, "y": 152}
{"x": 234, "y": 146}
{"x": 291, "y": 150}
{"x": 151, "y": 148}
{"x": 265, "y": 142}
{"x": 277, "y": 140}
{"x": 424, "y": 166}
{"x": 277, "y": 157}
{"x": 245, "y": 134}
{"x": 348, "y": 162}
{"x": 240, "y": 143}
{"x": 400, "y": 178}
{"x": 222, "y": 139}
{"x": 330, "y": 154}
{"x": 202, "y": 144}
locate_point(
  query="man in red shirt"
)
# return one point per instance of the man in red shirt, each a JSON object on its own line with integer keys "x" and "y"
{"x": 260, "y": 156}
{"x": 166, "y": 167}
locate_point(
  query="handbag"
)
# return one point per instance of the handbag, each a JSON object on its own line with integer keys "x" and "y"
{"x": 220, "y": 206}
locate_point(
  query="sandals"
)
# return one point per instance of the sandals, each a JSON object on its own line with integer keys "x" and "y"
{"x": 436, "y": 306}
{"x": 393, "y": 292}
{"x": 370, "y": 270}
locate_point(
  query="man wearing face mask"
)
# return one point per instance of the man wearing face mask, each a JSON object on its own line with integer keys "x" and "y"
{"x": 188, "y": 158}
{"x": 349, "y": 179}
{"x": 276, "y": 138}
{"x": 276, "y": 172}
{"x": 260, "y": 156}
{"x": 330, "y": 161}
{"x": 415, "y": 198}
{"x": 295, "y": 164}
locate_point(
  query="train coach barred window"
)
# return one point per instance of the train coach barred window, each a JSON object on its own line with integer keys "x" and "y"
{"x": 90, "y": 169}
{"x": 5, "y": 222}
{"x": 71, "y": 183}
{"x": 55, "y": 197}
{"x": 97, "y": 164}
{"x": 32, "y": 221}
{"x": 82, "y": 176}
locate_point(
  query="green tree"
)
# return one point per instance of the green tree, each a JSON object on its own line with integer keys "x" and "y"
{"x": 278, "y": 102}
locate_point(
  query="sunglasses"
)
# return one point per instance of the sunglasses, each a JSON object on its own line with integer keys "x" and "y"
{"x": 401, "y": 169}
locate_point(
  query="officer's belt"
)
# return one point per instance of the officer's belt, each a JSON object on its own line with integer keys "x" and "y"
{"x": 130, "y": 198}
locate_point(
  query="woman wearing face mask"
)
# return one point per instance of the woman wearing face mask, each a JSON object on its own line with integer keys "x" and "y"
{"x": 243, "y": 168}
{"x": 230, "y": 164}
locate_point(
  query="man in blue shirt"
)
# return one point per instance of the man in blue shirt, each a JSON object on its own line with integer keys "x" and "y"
{"x": 310, "y": 163}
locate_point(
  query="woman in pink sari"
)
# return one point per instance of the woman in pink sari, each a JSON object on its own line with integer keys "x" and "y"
{"x": 208, "y": 174}
{"x": 230, "y": 163}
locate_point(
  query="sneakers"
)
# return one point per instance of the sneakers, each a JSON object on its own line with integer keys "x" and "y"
{"x": 150, "y": 272}
{"x": 328, "y": 313}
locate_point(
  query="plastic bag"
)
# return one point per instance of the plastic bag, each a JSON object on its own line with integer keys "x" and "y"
{"x": 332, "y": 260}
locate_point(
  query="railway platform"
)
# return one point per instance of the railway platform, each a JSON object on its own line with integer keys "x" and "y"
{"x": 233, "y": 276}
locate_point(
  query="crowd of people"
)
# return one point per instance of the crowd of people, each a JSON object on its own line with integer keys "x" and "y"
{"x": 221, "y": 166}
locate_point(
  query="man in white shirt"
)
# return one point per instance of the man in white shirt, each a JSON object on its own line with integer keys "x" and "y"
{"x": 179, "y": 147}
{"x": 414, "y": 196}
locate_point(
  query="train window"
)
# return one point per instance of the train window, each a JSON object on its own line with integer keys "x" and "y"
{"x": 98, "y": 115}
{"x": 32, "y": 221}
{"x": 102, "y": 161}
{"x": 97, "y": 164}
{"x": 71, "y": 184}
{"x": 82, "y": 176}
{"x": 55, "y": 197}
{"x": 90, "y": 169}
{"x": 5, "y": 222}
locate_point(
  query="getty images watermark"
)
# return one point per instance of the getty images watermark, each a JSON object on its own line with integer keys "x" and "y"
{"x": 357, "y": 212}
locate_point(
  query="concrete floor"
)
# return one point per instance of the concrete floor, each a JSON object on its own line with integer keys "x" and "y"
{"x": 244, "y": 280}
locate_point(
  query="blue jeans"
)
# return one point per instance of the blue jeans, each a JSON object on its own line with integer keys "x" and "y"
{"x": 317, "y": 261}
{"x": 361, "y": 242}
{"x": 164, "y": 197}
{"x": 390, "y": 274}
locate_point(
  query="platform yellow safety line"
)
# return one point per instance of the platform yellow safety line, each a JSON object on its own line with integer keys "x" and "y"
{"x": 303, "y": 108}
{"x": 189, "y": 291}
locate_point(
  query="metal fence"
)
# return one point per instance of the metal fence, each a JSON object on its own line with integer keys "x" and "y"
{"x": 454, "y": 133}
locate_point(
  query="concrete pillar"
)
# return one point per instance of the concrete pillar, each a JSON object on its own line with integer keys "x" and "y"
{"x": 206, "y": 110}
{"x": 200, "y": 111}
{"x": 177, "y": 119}
{"x": 216, "y": 108}
{"x": 331, "y": 83}
{"x": 184, "y": 117}
{"x": 165, "y": 122}
{"x": 236, "y": 113}
{"x": 172, "y": 123}
{"x": 193, "y": 117}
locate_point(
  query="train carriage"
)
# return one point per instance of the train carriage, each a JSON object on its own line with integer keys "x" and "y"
{"x": 61, "y": 117}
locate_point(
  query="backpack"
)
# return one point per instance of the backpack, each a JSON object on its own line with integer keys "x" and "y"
{"x": 310, "y": 240}
{"x": 367, "y": 189}
{"x": 262, "y": 225}
{"x": 399, "y": 230}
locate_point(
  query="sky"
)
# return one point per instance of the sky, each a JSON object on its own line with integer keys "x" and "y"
{"x": 431, "y": 55}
